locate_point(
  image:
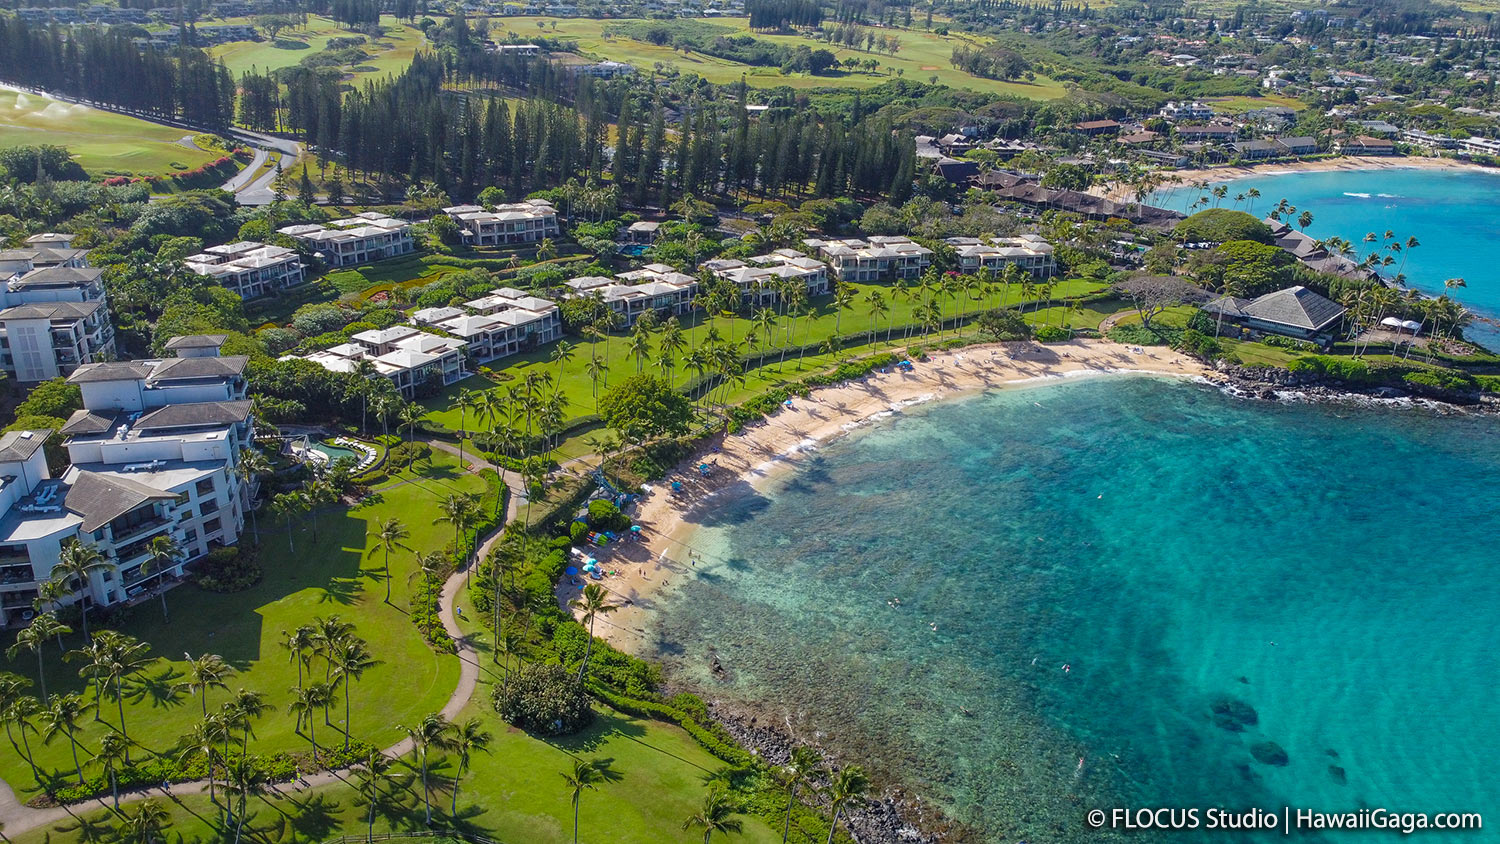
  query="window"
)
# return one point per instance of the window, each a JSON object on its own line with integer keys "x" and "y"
{"x": 205, "y": 487}
{"x": 211, "y": 526}
{"x": 209, "y": 506}
{"x": 191, "y": 535}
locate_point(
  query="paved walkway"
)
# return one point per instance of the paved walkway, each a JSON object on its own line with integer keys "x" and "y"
{"x": 16, "y": 817}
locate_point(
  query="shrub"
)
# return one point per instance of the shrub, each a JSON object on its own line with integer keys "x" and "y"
{"x": 1199, "y": 345}
{"x": 227, "y": 570}
{"x": 604, "y": 515}
{"x": 406, "y": 453}
{"x": 545, "y": 699}
{"x": 1220, "y": 225}
{"x": 1051, "y": 334}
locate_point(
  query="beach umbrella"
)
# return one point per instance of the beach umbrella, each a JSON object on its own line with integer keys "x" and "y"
{"x": 571, "y": 570}
{"x": 635, "y": 528}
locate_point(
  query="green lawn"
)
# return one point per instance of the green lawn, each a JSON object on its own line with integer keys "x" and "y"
{"x": 514, "y": 793}
{"x": 333, "y": 576}
{"x": 922, "y": 55}
{"x": 1237, "y": 105}
{"x": 579, "y": 390}
{"x": 388, "y": 55}
{"x": 101, "y": 141}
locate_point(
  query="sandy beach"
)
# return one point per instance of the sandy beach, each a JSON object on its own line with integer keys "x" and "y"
{"x": 639, "y": 570}
{"x": 1218, "y": 175}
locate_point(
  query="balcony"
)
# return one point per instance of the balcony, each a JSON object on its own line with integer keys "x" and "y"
{"x": 140, "y": 531}
{"x": 14, "y": 574}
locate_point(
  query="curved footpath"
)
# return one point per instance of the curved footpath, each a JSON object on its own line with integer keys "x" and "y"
{"x": 16, "y": 818}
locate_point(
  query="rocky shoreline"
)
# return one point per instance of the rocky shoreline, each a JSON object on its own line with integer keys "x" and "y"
{"x": 1268, "y": 384}
{"x": 893, "y": 816}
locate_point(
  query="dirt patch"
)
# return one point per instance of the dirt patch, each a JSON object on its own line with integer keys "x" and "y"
{"x": 930, "y": 67}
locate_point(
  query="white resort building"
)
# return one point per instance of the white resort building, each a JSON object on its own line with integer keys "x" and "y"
{"x": 54, "y": 316}
{"x": 506, "y": 322}
{"x": 760, "y": 278}
{"x": 249, "y": 268}
{"x": 360, "y": 239}
{"x": 155, "y": 451}
{"x": 1029, "y": 252}
{"x": 404, "y": 355}
{"x": 876, "y": 259}
{"x": 655, "y": 287}
{"x": 514, "y": 223}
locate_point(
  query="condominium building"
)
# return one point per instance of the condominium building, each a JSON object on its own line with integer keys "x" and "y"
{"x": 876, "y": 259}
{"x": 154, "y": 452}
{"x": 249, "y": 268}
{"x": 506, "y": 322}
{"x": 360, "y": 239}
{"x": 657, "y": 288}
{"x": 514, "y": 223}
{"x": 1029, "y": 252}
{"x": 411, "y": 359}
{"x": 761, "y": 279}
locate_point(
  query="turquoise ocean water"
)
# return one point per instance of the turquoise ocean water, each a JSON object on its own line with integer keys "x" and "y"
{"x": 1454, "y": 214}
{"x": 1332, "y": 569}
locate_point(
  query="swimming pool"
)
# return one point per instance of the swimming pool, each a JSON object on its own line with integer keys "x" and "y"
{"x": 336, "y": 452}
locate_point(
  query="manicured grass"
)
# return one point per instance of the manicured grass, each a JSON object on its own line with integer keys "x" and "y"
{"x": 922, "y": 55}
{"x": 101, "y": 141}
{"x": 334, "y": 575}
{"x": 1237, "y": 105}
{"x": 578, "y": 390}
{"x": 388, "y": 55}
{"x": 1258, "y": 354}
{"x": 514, "y": 793}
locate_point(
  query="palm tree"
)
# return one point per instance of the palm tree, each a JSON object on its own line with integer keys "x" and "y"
{"x": 33, "y": 637}
{"x": 252, "y": 464}
{"x": 315, "y": 494}
{"x": 1304, "y": 220}
{"x": 849, "y": 785}
{"x": 299, "y": 645}
{"x": 164, "y": 553}
{"x": 597, "y": 370}
{"x": 19, "y": 713}
{"x": 594, "y": 603}
{"x": 61, "y": 716}
{"x": 803, "y": 767}
{"x": 247, "y": 705}
{"x": 410, "y": 414}
{"x": 78, "y": 561}
{"x": 546, "y": 250}
{"x": 459, "y": 511}
{"x": 464, "y": 739}
{"x": 351, "y": 659}
{"x": 715, "y": 815}
{"x": 124, "y": 655}
{"x": 243, "y": 778}
{"x": 585, "y": 775}
{"x": 465, "y": 402}
{"x": 208, "y": 671}
{"x": 328, "y": 634}
{"x": 113, "y": 752}
{"x": 306, "y": 702}
{"x": 146, "y": 826}
{"x": 286, "y": 506}
{"x": 12, "y": 693}
{"x": 390, "y": 537}
{"x": 429, "y": 733}
{"x": 373, "y": 772}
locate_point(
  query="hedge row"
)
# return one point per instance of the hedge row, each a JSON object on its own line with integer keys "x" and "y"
{"x": 276, "y": 767}
{"x": 713, "y": 738}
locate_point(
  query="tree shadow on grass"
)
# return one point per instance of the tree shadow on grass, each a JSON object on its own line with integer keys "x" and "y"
{"x": 314, "y": 818}
{"x": 290, "y": 44}
{"x": 161, "y": 688}
{"x": 340, "y": 590}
